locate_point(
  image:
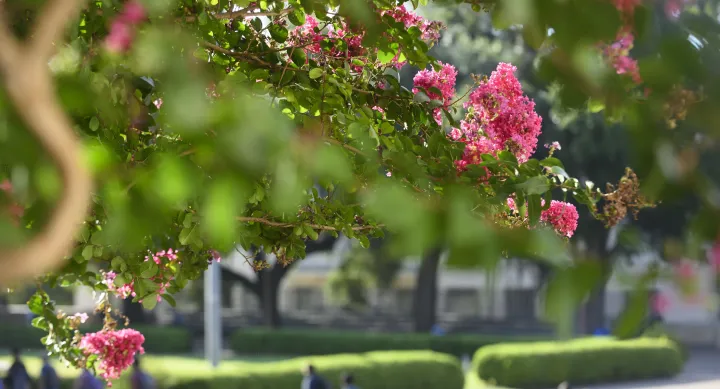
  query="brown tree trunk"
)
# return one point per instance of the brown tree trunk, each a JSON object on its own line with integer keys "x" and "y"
{"x": 268, "y": 298}
{"x": 594, "y": 308}
{"x": 425, "y": 296}
{"x": 267, "y": 286}
{"x": 134, "y": 312}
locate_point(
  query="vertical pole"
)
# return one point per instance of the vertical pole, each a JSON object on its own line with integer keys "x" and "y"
{"x": 213, "y": 318}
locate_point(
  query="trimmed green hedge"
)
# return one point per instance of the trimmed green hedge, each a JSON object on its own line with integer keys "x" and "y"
{"x": 159, "y": 340}
{"x": 379, "y": 370}
{"x": 319, "y": 342}
{"x": 659, "y": 330}
{"x": 580, "y": 362}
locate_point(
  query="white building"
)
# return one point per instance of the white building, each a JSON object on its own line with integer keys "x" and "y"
{"x": 508, "y": 293}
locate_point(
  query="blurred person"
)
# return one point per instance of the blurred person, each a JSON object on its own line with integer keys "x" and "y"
{"x": 348, "y": 381}
{"x": 48, "y": 375}
{"x": 312, "y": 380}
{"x": 140, "y": 379}
{"x": 17, "y": 376}
{"x": 87, "y": 380}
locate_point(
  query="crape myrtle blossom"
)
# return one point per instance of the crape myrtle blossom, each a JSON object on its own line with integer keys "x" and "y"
{"x": 443, "y": 80}
{"x": 500, "y": 117}
{"x": 562, "y": 216}
{"x": 122, "y": 29}
{"x": 115, "y": 349}
{"x": 345, "y": 43}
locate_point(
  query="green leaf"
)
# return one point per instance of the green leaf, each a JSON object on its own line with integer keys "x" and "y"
{"x": 315, "y": 73}
{"x": 35, "y": 303}
{"x": 421, "y": 97}
{"x": 87, "y": 252}
{"x": 534, "y": 209}
{"x": 94, "y": 123}
{"x": 185, "y": 236}
{"x": 558, "y": 171}
{"x": 171, "y": 179}
{"x": 297, "y": 17}
{"x": 150, "y": 301}
{"x": 632, "y": 317}
{"x": 40, "y": 322}
{"x": 534, "y": 185}
{"x": 298, "y": 56}
{"x": 150, "y": 272}
{"x": 278, "y": 32}
{"x": 223, "y": 204}
{"x": 169, "y": 299}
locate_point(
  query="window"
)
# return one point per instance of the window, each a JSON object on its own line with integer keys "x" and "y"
{"x": 520, "y": 304}
{"x": 308, "y": 299}
{"x": 250, "y": 303}
{"x": 226, "y": 294}
{"x": 463, "y": 302}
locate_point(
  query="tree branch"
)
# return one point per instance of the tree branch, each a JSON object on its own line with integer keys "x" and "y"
{"x": 292, "y": 225}
{"x": 242, "y": 14}
{"x": 30, "y": 87}
{"x": 50, "y": 26}
{"x": 231, "y": 276}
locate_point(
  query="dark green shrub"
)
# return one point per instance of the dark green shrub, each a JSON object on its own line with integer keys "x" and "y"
{"x": 582, "y": 361}
{"x": 318, "y": 342}
{"x": 161, "y": 340}
{"x": 380, "y": 370}
{"x": 20, "y": 336}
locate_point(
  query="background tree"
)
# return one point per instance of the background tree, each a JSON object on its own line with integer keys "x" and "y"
{"x": 362, "y": 272}
{"x": 266, "y": 284}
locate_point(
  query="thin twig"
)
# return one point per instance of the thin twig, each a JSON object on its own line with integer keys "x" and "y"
{"x": 242, "y": 14}
{"x": 344, "y": 145}
{"x": 292, "y": 225}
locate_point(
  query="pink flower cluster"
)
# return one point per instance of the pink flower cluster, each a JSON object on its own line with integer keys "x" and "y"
{"x": 660, "y": 302}
{"x": 430, "y": 29}
{"x": 164, "y": 259}
{"x": 673, "y": 8}
{"x": 443, "y": 80}
{"x": 562, "y": 216}
{"x": 122, "y": 29}
{"x": 309, "y": 37}
{"x": 15, "y": 210}
{"x": 618, "y": 54}
{"x": 116, "y": 350}
{"x": 500, "y": 117}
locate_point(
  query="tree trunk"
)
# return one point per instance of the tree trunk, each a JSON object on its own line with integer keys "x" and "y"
{"x": 268, "y": 298}
{"x": 594, "y": 307}
{"x": 134, "y": 312}
{"x": 267, "y": 286}
{"x": 425, "y": 295}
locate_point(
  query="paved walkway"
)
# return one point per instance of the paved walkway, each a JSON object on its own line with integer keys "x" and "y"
{"x": 702, "y": 371}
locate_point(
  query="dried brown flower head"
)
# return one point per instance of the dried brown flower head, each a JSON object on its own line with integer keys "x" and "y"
{"x": 676, "y": 107}
{"x": 624, "y": 198}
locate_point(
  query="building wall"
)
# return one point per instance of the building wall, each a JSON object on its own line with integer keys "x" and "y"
{"x": 507, "y": 293}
